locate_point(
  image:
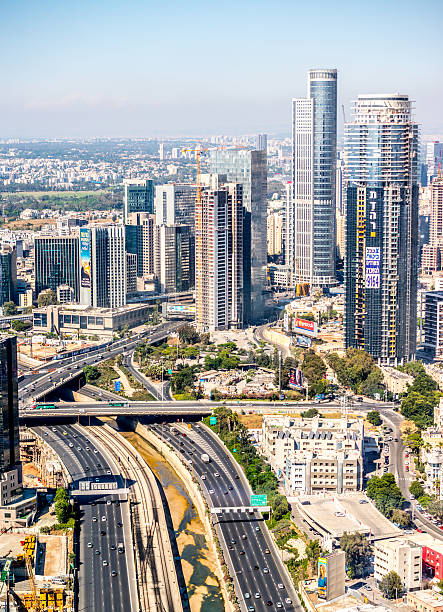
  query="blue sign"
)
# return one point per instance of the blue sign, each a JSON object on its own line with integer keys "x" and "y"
{"x": 212, "y": 420}
{"x": 117, "y": 386}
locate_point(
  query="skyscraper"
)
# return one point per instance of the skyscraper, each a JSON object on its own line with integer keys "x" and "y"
{"x": 9, "y": 428}
{"x": 175, "y": 204}
{"x": 219, "y": 292}
{"x": 8, "y": 275}
{"x": 174, "y": 258}
{"x": 311, "y": 217}
{"x": 262, "y": 142}
{"x": 139, "y": 197}
{"x": 381, "y": 145}
{"x": 103, "y": 266}
{"x": 434, "y": 159}
{"x": 56, "y": 261}
{"x": 139, "y": 235}
{"x": 250, "y": 169}
{"x": 432, "y": 252}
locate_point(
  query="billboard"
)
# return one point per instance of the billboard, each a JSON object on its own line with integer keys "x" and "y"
{"x": 322, "y": 577}
{"x": 179, "y": 309}
{"x": 305, "y": 327}
{"x": 295, "y": 378}
{"x": 303, "y": 341}
{"x": 85, "y": 266}
{"x": 372, "y": 268}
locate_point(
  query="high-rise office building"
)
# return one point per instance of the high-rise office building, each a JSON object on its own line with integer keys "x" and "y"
{"x": 434, "y": 159}
{"x": 9, "y": 427}
{"x": 56, "y": 261}
{"x": 219, "y": 294}
{"x": 432, "y": 337}
{"x": 175, "y": 204}
{"x": 174, "y": 258}
{"x": 8, "y": 275}
{"x": 262, "y": 142}
{"x": 433, "y": 251}
{"x": 250, "y": 169}
{"x": 311, "y": 216}
{"x": 381, "y": 145}
{"x": 139, "y": 233}
{"x": 103, "y": 266}
{"x": 138, "y": 198}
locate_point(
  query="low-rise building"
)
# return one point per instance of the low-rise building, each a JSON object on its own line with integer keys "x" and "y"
{"x": 315, "y": 455}
{"x": 396, "y": 382}
{"x": 401, "y": 556}
{"x": 425, "y": 601}
{"x": 87, "y": 320}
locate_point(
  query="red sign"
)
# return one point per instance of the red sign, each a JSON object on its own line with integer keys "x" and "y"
{"x": 304, "y": 324}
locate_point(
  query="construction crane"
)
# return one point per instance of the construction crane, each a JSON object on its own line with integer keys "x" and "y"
{"x": 301, "y": 289}
{"x": 197, "y": 151}
{"x": 35, "y": 597}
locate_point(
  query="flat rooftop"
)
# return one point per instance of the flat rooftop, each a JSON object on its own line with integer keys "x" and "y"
{"x": 336, "y": 514}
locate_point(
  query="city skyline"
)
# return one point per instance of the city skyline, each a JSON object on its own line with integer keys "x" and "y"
{"x": 146, "y": 77}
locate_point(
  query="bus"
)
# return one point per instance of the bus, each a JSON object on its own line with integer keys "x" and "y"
{"x": 118, "y": 404}
{"x": 45, "y": 407}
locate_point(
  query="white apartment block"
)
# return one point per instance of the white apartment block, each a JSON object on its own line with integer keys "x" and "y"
{"x": 401, "y": 556}
{"x": 315, "y": 455}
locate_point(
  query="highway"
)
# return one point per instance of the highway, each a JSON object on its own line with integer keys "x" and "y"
{"x": 62, "y": 371}
{"x": 143, "y": 380}
{"x": 251, "y": 556}
{"x": 99, "y": 589}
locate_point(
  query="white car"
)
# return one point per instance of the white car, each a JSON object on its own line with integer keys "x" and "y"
{"x": 89, "y": 544}
{"x": 281, "y": 586}
{"x": 216, "y": 474}
{"x": 103, "y": 519}
{"x": 203, "y": 477}
{"x": 257, "y": 596}
{"x": 247, "y": 595}
{"x": 94, "y": 519}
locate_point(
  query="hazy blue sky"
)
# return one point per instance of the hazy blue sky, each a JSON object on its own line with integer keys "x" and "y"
{"x": 144, "y": 68}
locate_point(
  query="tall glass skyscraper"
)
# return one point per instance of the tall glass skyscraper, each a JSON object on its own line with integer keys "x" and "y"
{"x": 56, "y": 260}
{"x": 8, "y": 275}
{"x": 139, "y": 197}
{"x": 249, "y": 168}
{"x": 310, "y": 240}
{"x": 9, "y": 428}
{"x": 381, "y": 152}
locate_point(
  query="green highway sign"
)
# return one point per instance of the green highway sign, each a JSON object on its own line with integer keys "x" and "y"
{"x": 259, "y": 500}
{"x": 212, "y": 420}
{"x": 169, "y": 371}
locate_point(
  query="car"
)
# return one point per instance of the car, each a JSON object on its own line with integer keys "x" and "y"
{"x": 102, "y": 532}
{"x": 368, "y": 587}
{"x": 269, "y": 602}
{"x": 230, "y": 547}
{"x": 267, "y": 551}
{"x": 94, "y": 518}
{"x": 203, "y": 477}
{"x": 216, "y": 474}
{"x": 288, "y": 601}
{"x": 251, "y": 609}
{"x": 233, "y": 541}
{"x": 89, "y": 544}
{"x": 109, "y": 502}
{"x": 211, "y": 491}
{"x": 411, "y": 497}
{"x": 71, "y": 445}
{"x": 281, "y": 585}
{"x": 363, "y": 501}
{"x": 97, "y": 552}
{"x": 226, "y": 492}
{"x": 247, "y": 595}
{"x": 257, "y": 528}
{"x": 87, "y": 468}
{"x": 257, "y": 596}
{"x": 230, "y": 488}
{"x": 99, "y": 465}
{"x": 279, "y": 604}
{"x": 103, "y": 519}
{"x": 95, "y": 450}
{"x": 242, "y": 552}
{"x": 87, "y": 448}
{"x": 105, "y": 562}
{"x": 265, "y": 570}
{"x": 113, "y": 547}
{"x": 113, "y": 573}
{"x": 108, "y": 472}
{"x": 244, "y": 536}
{"x": 79, "y": 448}
{"x": 120, "y": 524}
{"x": 236, "y": 477}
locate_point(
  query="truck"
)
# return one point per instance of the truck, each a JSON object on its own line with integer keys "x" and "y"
{"x": 205, "y": 458}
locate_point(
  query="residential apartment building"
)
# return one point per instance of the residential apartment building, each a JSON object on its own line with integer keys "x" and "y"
{"x": 381, "y": 150}
{"x": 174, "y": 258}
{"x": 315, "y": 455}
{"x": 219, "y": 280}
{"x": 432, "y": 252}
{"x": 401, "y": 556}
{"x": 432, "y": 332}
{"x": 139, "y": 235}
{"x": 175, "y": 204}
{"x": 249, "y": 168}
{"x": 311, "y": 214}
{"x": 56, "y": 262}
{"x": 275, "y": 224}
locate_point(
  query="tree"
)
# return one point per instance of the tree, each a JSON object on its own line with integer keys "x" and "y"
{"x": 391, "y": 585}
{"x": 9, "y": 309}
{"x": 62, "y": 508}
{"x": 374, "y": 417}
{"x": 183, "y": 380}
{"x": 188, "y": 335}
{"x": 309, "y": 414}
{"x": 416, "y": 489}
{"x": 313, "y": 551}
{"x": 21, "y": 326}
{"x": 401, "y": 518}
{"x": 385, "y": 493}
{"x": 280, "y": 507}
{"x": 313, "y": 367}
{"x": 47, "y": 298}
{"x": 91, "y": 373}
{"x": 358, "y": 552}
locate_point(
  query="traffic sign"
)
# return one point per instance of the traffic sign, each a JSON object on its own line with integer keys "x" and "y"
{"x": 169, "y": 371}
{"x": 212, "y": 420}
{"x": 117, "y": 385}
{"x": 259, "y": 500}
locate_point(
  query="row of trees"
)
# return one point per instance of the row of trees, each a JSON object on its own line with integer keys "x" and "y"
{"x": 421, "y": 398}
{"x": 358, "y": 371}
{"x": 386, "y": 496}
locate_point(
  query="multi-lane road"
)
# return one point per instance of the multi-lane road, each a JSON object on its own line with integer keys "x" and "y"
{"x": 106, "y": 578}
{"x": 258, "y": 573}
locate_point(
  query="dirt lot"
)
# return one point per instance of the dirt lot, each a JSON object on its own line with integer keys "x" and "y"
{"x": 251, "y": 421}
{"x": 53, "y": 557}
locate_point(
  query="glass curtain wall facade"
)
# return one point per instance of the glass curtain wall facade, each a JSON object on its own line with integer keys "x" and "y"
{"x": 311, "y": 213}
{"x": 250, "y": 169}
{"x": 57, "y": 263}
{"x": 381, "y": 151}
{"x": 9, "y": 425}
{"x": 139, "y": 197}
{"x": 8, "y": 277}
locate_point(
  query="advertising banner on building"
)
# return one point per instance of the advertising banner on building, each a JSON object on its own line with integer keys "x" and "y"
{"x": 305, "y": 327}
{"x": 372, "y": 268}
{"x": 85, "y": 266}
{"x": 322, "y": 577}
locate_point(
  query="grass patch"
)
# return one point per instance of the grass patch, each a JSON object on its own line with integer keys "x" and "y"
{"x": 181, "y": 397}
